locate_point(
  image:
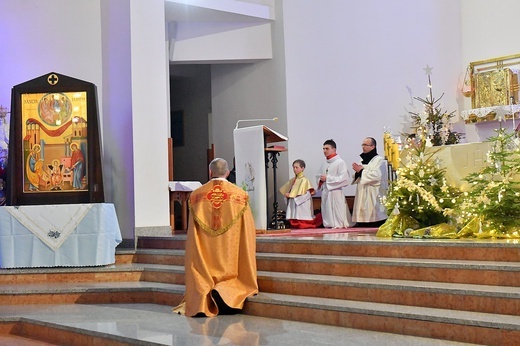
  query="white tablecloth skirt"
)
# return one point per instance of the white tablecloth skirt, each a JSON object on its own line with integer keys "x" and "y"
{"x": 88, "y": 237}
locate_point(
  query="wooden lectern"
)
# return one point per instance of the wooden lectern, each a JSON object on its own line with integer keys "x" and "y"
{"x": 180, "y": 191}
{"x": 253, "y": 152}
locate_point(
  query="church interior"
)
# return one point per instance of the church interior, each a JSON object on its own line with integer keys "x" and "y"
{"x": 180, "y": 82}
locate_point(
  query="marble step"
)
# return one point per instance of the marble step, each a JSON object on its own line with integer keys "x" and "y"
{"x": 34, "y": 332}
{"x": 13, "y": 332}
{"x": 469, "y": 297}
{"x": 448, "y": 249}
{"x": 450, "y": 324}
{"x": 116, "y": 292}
{"x": 494, "y": 273}
{"x": 151, "y": 324}
{"x": 461, "y": 326}
{"x": 459, "y": 249}
{"x": 79, "y": 275}
{"x": 439, "y": 270}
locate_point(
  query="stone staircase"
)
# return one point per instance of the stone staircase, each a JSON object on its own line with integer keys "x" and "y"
{"x": 465, "y": 291}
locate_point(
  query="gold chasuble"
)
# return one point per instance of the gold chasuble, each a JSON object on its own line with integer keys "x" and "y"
{"x": 220, "y": 249}
{"x": 297, "y": 186}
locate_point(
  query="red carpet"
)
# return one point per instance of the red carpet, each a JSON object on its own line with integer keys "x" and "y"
{"x": 314, "y": 231}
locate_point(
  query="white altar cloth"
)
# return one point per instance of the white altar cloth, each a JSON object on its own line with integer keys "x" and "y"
{"x": 52, "y": 224}
{"x": 489, "y": 113}
{"x": 183, "y": 185}
{"x": 91, "y": 242}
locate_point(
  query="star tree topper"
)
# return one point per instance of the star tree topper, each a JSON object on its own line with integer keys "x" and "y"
{"x": 428, "y": 70}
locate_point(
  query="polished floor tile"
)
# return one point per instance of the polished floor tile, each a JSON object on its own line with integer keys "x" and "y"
{"x": 155, "y": 324}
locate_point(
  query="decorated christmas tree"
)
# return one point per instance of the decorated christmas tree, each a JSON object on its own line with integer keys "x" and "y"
{"x": 436, "y": 122}
{"x": 492, "y": 206}
{"x": 420, "y": 196}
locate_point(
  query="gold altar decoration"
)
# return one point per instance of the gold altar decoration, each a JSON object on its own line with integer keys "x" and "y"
{"x": 494, "y": 81}
{"x": 392, "y": 150}
{"x": 495, "y": 88}
{"x": 396, "y": 226}
{"x": 405, "y": 226}
{"x": 481, "y": 229}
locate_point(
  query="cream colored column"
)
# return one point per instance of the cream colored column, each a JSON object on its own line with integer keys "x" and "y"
{"x": 150, "y": 112}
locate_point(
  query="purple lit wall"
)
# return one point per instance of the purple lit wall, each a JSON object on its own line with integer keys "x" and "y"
{"x": 37, "y": 37}
{"x": 116, "y": 96}
{"x": 91, "y": 41}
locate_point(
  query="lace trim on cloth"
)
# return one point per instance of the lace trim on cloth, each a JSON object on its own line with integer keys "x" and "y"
{"x": 52, "y": 224}
{"x": 490, "y": 113}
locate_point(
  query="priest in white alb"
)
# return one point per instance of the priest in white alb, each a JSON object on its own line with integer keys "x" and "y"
{"x": 372, "y": 184}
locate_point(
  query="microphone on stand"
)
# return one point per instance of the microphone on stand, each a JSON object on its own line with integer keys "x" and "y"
{"x": 249, "y": 120}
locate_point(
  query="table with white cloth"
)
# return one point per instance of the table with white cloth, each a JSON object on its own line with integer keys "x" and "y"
{"x": 180, "y": 192}
{"x": 68, "y": 235}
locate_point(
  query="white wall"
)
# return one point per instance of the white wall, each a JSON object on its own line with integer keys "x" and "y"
{"x": 349, "y": 64}
{"x": 347, "y": 67}
{"x": 489, "y": 30}
{"x": 353, "y": 67}
{"x": 150, "y": 107}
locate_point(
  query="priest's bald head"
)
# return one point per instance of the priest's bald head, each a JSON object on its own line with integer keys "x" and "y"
{"x": 218, "y": 168}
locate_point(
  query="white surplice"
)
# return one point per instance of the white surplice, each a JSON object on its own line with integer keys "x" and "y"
{"x": 334, "y": 209}
{"x": 371, "y": 187}
{"x": 300, "y": 207}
